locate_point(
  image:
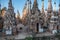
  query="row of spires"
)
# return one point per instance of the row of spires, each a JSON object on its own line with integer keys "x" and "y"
{"x": 29, "y": 2}
{"x": 35, "y": 4}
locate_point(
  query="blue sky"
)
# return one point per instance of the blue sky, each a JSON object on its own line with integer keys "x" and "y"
{"x": 19, "y": 4}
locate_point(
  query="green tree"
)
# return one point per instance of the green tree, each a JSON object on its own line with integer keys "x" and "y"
{"x": 28, "y": 38}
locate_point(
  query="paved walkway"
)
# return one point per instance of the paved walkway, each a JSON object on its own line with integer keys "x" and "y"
{"x": 44, "y": 34}
{"x": 24, "y": 35}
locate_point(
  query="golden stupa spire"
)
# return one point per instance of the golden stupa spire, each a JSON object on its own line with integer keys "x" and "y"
{"x": 35, "y": 4}
{"x": 42, "y": 6}
{"x": 49, "y": 6}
